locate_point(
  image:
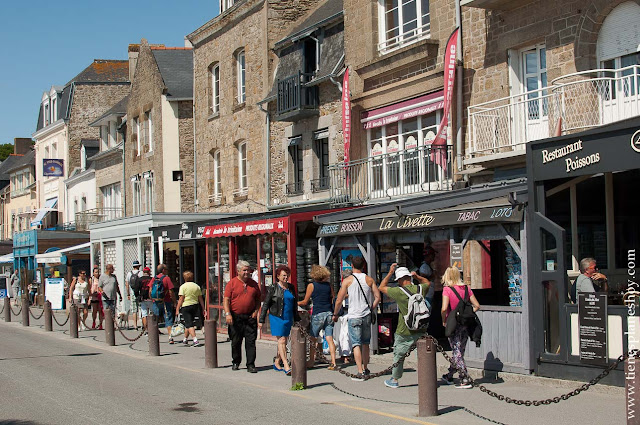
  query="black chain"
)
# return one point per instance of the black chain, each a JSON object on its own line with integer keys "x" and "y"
{"x": 386, "y": 371}
{"x": 14, "y": 313}
{"x": 115, "y": 324}
{"x": 370, "y": 398}
{"x": 634, "y": 353}
{"x": 56, "y": 320}
{"x": 33, "y": 315}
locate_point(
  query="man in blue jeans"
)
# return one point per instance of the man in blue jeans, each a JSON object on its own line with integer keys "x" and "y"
{"x": 165, "y": 307}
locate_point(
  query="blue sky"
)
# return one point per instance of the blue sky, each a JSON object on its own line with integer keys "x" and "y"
{"x": 45, "y": 43}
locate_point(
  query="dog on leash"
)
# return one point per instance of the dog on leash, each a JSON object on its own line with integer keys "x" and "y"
{"x": 123, "y": 320}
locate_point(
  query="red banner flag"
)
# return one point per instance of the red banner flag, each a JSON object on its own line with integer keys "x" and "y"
{"x": 346, "y": 115}
{"x": 439, "y": 144}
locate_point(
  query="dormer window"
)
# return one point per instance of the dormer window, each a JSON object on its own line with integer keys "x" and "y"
{"x": 83, "y": 158}
{"x": 46, "y": 114}
{"x": 54, "y": 109}
{"x": 225, "y": 4}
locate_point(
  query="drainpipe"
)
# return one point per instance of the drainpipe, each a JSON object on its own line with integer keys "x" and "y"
{"x": 195, "y": 163}
{"x": 460, "y": 64}
{"x": 267, "y": 137}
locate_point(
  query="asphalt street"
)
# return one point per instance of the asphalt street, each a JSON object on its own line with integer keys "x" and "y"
{"x": 49, "y": 378}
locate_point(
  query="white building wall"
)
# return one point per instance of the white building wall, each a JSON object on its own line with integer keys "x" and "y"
{"x": 79, "y": 187}
{"x": 170, "y": 154}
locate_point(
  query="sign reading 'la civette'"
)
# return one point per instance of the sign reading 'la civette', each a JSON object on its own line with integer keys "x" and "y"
{"x": 503, "y": 214}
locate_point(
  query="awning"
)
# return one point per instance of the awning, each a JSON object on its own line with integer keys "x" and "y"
{"x": 400, "y": 111}
{"x": 50, "y": 205}
{"x": 60, "y": 255}
{"x": 7, "y": 258}
{"x": 258, "y": 227}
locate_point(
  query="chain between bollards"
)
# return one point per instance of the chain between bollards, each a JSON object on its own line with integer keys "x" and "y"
{"x": 56, "y": 320}
{"x": 122, "y": 333}
{"x": 34, "y": 316}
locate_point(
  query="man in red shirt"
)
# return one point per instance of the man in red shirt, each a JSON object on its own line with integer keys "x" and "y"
{"x": 241, "y": 305}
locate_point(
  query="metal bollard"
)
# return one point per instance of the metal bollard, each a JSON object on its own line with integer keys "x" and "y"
{"x": 7, "y": 309}
{"x": 25, "y": 310}
{"x": 427, "y": 379}
{"x": 210, "y": 343}
{"x": 73, "y": 321}
{"x": 48, "y": 318}
{"x": 298, "y": 358}
{"x": 153, "y": 334}
{"x": 108, "y": 327}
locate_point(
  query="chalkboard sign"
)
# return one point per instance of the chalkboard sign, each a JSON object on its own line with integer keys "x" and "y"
{"x": 592, "y": 320}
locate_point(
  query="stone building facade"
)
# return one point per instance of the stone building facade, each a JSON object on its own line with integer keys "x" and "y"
{"x": 529, "y": 74}
{"x": 229, "y": 125}
{"x": 158, "y": 158}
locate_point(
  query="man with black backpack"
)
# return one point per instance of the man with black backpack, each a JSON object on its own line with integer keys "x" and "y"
{"x": 413, "y": 318}
{"x": 133, "y": 283}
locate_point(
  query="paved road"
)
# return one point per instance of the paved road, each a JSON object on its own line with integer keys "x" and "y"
{"x": 48, "y": 378}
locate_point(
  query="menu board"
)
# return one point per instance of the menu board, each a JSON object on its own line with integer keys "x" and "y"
{"x": 54, "y": 292}
{"x": 592, "y": 321}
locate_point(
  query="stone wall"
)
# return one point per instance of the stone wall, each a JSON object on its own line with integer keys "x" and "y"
{"x": 568, "y": 29}
{"x": 146, "y": 94}
{"x": 185, "y": 129}
{"x": 90, "y": 101}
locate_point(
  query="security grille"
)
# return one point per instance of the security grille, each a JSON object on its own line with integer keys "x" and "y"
{"x": 110, "y": 252}
{"x": 147, "y": 253}
{"x": 130, "y": 253}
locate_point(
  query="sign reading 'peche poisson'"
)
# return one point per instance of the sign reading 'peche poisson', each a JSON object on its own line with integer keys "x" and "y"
{"x": 425, "y": 220}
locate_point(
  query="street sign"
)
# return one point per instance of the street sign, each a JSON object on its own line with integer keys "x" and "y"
{"x": 592, "y": 322}
{"x": 456, "y": 255}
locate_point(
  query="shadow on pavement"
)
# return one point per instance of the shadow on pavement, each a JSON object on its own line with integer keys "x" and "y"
{"x": 17, "y": 422}
{"x": 54, "y": 355}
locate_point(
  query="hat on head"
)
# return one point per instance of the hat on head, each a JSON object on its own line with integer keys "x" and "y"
{"x": 136, "y": 263}
{"x": 402, "y": 272}
{"x": 146, "y": 270}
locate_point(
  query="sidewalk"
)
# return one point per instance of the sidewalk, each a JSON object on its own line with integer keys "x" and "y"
{"x": 326, "y": 387}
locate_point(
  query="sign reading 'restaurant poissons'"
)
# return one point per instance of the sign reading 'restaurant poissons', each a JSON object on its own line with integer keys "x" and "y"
{"x": 571, "y": 164}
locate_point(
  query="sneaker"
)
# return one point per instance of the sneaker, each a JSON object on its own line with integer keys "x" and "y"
{"x": 359, "y": 377}
{"x": 171, "y": 341}
{"x": 366, "y": 372}
{"x": 197, "y": 344}
{"x": 464, "y": 384}
{"x": 391, "y": 383}
{"x": 446, "y": 380}
{"x": 185, "y": 342}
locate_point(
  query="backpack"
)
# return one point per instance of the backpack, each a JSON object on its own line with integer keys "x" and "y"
{"x": 156, "y": 292}
{"x": 418, "y": 312}
{"x": 464, "y": 313}
{"x": 135, "y": 283}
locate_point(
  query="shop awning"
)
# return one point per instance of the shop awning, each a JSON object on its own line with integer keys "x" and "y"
{"x": 456, "y": 208}
{"x": 257, "y": 227}
{"x": 6, "y": 259}
{"x": 60, "y": 255}
{"x": 50, "y": 205}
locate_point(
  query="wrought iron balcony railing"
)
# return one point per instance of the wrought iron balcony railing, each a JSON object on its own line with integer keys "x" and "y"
{"x": 571, "y": 103}
{"x": 420, "y": 170}
{"x": 295, "y": 188}
{"x": 96, "y": 215}
{"x": 295, "y": 97}
{"x": 318, "y": 185}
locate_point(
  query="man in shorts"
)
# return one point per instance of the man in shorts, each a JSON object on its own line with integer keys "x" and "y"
{"x": 165, "y": 307}
{"x": 108, "y": 287}
{"x": 190, "y": 300}
{"x": 145, "y": 302}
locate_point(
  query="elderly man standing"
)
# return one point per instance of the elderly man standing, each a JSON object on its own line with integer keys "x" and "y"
{"x": 241, "y": 306}
{"x": 108, "y": 287}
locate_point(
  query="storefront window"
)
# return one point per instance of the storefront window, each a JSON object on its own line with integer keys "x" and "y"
{"x": 626, "y": 207}
{"x": 558, "y": 210}
{"x": 592, "y": 210}
{"x": 247, "y": 250}
{"x": 171, "y": 258}
{"x": 280, "y": 249}
{"x": 215, "y": 297}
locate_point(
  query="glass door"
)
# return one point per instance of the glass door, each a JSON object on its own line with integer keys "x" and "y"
{"x": 534, "y": 78}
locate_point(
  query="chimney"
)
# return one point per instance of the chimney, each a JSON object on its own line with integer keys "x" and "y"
{"x": 22, "y": 145}
{"x": 134, "y": 50}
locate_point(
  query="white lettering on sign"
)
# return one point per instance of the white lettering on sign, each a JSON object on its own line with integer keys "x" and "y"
{"x": 548, "y": 156}
{"x": 351, "y": 227}
{"x": 468, "y": 216}
{"x": 329, "y": 229}
{"x": 576, "y": 164}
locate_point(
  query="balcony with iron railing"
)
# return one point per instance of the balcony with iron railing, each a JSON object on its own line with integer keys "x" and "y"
{"x": 295, "y": 98}
{"x": 96, "y": 215}
{"x": 295, "y": 188}
{"x": 418, "y": 171}
{"x": 318, "y": 185}
{"x": 571, "y": 103}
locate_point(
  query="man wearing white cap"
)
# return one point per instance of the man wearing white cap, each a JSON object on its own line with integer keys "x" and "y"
{"x": 404, "y": 337}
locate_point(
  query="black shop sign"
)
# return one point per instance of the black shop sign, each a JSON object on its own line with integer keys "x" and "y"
{"x": 592, "y": 323}
{"x": 502, "y": 214}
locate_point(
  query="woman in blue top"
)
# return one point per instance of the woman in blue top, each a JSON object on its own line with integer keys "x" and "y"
{"x": 281, "y": 305}
{"x": 321, "y": 293}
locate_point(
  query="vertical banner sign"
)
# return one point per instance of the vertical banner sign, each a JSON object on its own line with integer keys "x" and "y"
{"x": 440, "y": 142}
{"x": 346, "y": 119}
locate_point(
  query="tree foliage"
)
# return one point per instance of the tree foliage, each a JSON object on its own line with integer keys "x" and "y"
{"x": 6, "y": 149}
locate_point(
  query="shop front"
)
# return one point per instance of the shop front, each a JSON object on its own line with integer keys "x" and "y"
{"x": 479, "y": 230}
{"x": 265, "y": 241}
{"x": 583, "y": 204}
